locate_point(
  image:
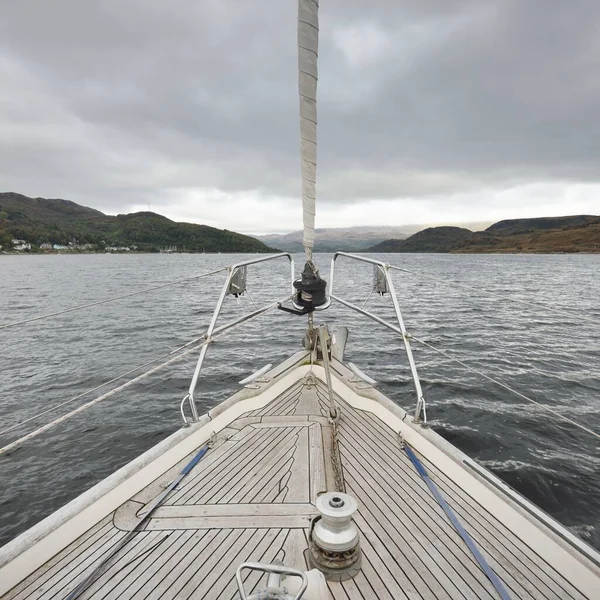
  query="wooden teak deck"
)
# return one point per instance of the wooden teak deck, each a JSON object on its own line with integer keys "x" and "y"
{"x": 252, "y": 496}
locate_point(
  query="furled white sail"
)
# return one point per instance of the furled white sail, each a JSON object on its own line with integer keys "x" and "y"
{"x": 308, "y": 48}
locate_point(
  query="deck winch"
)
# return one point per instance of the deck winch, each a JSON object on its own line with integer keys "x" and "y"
{"x": 334, "y": 541}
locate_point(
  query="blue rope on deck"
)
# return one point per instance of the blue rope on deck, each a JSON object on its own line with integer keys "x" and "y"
{"x": 106, "y": 562}
{"x": 485, "y": 567}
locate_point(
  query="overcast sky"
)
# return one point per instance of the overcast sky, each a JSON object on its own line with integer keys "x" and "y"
{"x": 432, "y": 111}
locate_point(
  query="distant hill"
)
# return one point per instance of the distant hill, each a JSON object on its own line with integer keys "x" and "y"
{"x": 55, "y": 221}
{"x": 516, "y": 226}
{"x": 578, "y": 233}
{"x": 348, "y": 239}
{"x": 432, "y": 239}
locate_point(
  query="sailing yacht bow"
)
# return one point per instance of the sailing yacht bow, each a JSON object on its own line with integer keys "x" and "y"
{"x": 308, "y": 483}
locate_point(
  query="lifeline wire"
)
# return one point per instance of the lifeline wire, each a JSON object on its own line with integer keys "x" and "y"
{"x": 559, "y": 311}
{"x": 115, "y": 379}
{"x": 83, "y": 407}
{"x": 185, "y": 350}
{"x": 81, "y": 306}
{"x": 504, "y": 385}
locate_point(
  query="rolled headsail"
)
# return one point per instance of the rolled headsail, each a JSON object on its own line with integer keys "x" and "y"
{"x": 308, "y": 49}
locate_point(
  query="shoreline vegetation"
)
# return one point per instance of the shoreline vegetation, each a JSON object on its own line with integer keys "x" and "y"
{"x": 37, "y": 252}
{"x": 40, "y": 225}
{"x": 56, "y": 226}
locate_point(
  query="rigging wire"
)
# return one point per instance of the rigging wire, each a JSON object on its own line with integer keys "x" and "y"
{"x": 91, "y": 403}
{"x": 129, "y": 295}
{"x": 183, "y": 352}
{"x": 98, "y": 387}
{"x": 503, "y": 385}
{"x": 469, "y": 288}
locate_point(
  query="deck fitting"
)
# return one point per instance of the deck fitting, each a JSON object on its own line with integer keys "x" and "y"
{"x": 334, "y": 546}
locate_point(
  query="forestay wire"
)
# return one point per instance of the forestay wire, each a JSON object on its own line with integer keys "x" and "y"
{"x": 503, "y": 385}
{"x": 308, "y": 50}
{"x": 107, "y": 300}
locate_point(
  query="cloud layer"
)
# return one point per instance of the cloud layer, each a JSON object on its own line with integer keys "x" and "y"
{"x": 428, "y": 112}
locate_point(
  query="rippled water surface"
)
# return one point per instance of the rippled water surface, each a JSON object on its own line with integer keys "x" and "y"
{"x": 551, "y": 357}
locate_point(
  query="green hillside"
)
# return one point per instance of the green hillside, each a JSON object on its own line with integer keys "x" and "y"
{"x": 54, "y": 221}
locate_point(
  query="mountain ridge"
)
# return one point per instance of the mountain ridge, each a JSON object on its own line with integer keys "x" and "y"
{"x": 55, "y": 221}
{"x": 348, "y": 239}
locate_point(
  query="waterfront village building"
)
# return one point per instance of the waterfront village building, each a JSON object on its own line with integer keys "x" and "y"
{"x": 20, "y": 244}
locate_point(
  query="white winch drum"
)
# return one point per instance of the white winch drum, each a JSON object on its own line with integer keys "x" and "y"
{"x": 334, "y": 544}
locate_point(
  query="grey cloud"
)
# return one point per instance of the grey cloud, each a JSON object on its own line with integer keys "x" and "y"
{"x": 118, "y": 101}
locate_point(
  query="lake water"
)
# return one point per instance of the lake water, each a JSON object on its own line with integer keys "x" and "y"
{"x": 553, "y": 358}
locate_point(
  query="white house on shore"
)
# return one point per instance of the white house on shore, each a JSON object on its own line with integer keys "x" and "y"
{"x": 20, "y": 245}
